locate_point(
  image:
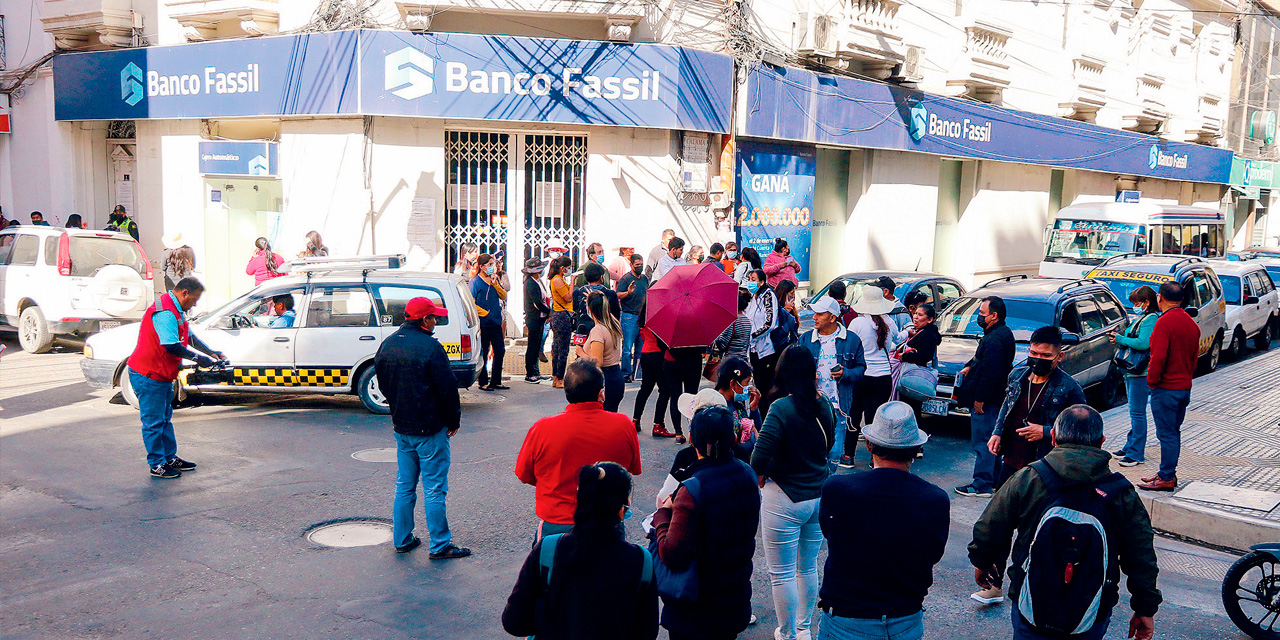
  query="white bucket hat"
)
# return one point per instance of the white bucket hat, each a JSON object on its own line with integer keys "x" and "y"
{"x": 689, "y": 403}
{"x": 895, "y": 427}
{"x": 172, "y": 241}
{"x": 873, "y": 302}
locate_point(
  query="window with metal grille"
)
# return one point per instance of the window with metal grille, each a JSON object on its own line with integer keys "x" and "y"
{"x": 555, "y": 169}
{"x": 476, "y": 194}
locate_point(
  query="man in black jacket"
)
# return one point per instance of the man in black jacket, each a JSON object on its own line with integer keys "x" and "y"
{"x": 414, "y": 375}
{"x": 536, "y": 313}
{"x": 983, "y": 389}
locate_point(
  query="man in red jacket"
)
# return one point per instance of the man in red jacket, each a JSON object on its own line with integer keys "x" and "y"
{"x": 163, "y": 341}
{"x": 557, "y": 447}
{"x": 1175, "y": 345}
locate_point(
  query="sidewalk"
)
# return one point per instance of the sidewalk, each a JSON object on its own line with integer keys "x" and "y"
{"x": 1229, "y": 470}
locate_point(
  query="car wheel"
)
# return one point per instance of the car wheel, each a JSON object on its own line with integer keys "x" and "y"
{"x": 1262, "y": 341}
{"x": 33, "y": 331}
{"x": 126, "y": 389}
{"x": 370, "y": 394}
{"x": 1112, "y": 391}
{"x": 1236, "y": 349}
{"x": 1209, "y": 363}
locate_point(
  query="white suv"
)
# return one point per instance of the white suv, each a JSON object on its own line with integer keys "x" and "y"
{"x": 56, "y": 281}
{"x": 1252, "y": 304}
{"x": 340, "y": 317}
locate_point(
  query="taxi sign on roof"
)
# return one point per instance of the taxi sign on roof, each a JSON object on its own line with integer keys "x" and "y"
{"x": 1136, "y": 276}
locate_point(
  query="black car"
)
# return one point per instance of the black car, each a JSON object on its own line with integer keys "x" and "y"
{"x": 1086, "y": 311}
{"x": 939, "y": 289}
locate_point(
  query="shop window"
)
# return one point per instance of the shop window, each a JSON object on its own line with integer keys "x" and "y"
{"x": 555, "y": 172}
{"x": 476, "y": 194}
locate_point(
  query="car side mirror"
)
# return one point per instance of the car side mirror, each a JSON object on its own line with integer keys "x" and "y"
{"x": 1069, "y": 339}
{"x": 1251, "y": 300}
{"x": 1192, "y": 311}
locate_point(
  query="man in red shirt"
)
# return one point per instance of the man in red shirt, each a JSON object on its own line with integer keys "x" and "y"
{"x": 557, "y": 447}
{"x": 1175, "y": 345}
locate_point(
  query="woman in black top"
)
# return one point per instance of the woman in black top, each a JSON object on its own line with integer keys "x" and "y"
{"x": 923, "y": 337}
{"x": 596, "y": 588}
{"x": 536, "y": 312}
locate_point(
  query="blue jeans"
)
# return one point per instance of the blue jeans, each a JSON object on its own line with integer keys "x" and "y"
{"x": 1136, "y": 445}
{"x": 905, "y": 628}
{"x": 614, "y": 387}
{"x": 426, "y": 457}
{"x": 1024, "y": 631}
{"x": 1169, "y": 409}
{"x": 792, "y": 538}
{"x": 155, "y": 406}
{"x": 981, "y": 425}
{"x": 630, "y": 342}
{"x": 837, "y": 448}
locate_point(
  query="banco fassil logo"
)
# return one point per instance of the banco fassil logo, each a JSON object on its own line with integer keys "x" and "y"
{"x": 408, "y": 73}
{"x": 131, "y": 89}
{"x": 1153, "y": 157}
{"x": 919, "y": 122}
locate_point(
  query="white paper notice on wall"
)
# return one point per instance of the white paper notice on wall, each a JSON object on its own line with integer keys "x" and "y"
{"x": 124, "y": 195}
{"x": 421, "y": 230}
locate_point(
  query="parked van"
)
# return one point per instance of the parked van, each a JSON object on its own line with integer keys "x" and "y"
{"x": 1085, "y": 235}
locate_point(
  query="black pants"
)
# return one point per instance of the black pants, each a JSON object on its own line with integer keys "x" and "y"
{"x": 651, "y": 376}
{"x": 491, "y": 337}
{"x": 871, "y": 392}
{"x": 561, "y": 329}
{"x": 681, "y": 376}
{"x": 535, "y": 325}
{"x": 762, "y": 375}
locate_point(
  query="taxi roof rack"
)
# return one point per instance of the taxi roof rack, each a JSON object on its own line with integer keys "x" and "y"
{"x": 363, "y": 264}
{"x": 1183, "y": 261}
{"x": 1020, "y": 276}
{"x": 1077, "y": 283}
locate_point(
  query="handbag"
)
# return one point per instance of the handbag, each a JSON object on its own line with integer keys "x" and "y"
{"x": 1130, "y": 360}
{"x": 711, "y": 370}
{"x": 676, "y": 585}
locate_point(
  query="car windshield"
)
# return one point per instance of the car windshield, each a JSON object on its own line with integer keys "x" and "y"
{"x": 855, "y": 287}
{"x": 90, "y": 253}
{"x": 1122, "y": 283}
{"x": 1090, "y": 242}
{"x": 1230, "y": 288}
{"x": 1025, "y": 316}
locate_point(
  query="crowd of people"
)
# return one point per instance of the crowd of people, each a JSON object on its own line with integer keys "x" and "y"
{"x": 784, "y": 412}
{"x": 117, "y": 220}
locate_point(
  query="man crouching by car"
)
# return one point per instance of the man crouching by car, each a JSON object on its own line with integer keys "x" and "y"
{"x": 162, "y": 344}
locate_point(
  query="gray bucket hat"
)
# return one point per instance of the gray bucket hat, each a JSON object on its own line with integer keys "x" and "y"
{"x": 895, "y": 427}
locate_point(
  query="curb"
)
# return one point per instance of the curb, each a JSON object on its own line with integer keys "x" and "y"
{"x": 1210, "y": 526}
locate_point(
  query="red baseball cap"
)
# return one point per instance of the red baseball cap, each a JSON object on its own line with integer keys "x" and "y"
{"x": 419, "y": 308}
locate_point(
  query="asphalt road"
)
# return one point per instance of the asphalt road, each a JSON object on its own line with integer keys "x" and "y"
{"x": 92, "y": 547}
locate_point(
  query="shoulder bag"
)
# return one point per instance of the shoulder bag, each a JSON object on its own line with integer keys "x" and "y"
{"x": 1128, "y": 359}
{"x": 676, "y": 585}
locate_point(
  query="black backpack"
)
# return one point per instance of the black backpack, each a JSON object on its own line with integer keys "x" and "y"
{"x": 1069, "y": 562}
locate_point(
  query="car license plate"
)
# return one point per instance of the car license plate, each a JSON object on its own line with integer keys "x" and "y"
{"x": 935, "y": 407}
{"x": 107, "y": 324}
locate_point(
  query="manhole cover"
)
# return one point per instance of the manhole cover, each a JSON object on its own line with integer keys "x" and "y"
{"x": 353, "y": 533}
{"x": 480, "y": 397}
{"x": 386, "y": 454}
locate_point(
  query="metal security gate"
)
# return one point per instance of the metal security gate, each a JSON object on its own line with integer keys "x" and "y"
{"x": 555, "y": 168}
{"x": 476, "y": 194}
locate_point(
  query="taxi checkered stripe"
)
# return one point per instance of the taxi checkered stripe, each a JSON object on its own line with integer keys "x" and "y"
{"x": 288, "y": 377}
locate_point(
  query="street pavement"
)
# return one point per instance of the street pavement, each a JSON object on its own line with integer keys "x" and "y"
{"x": 92, "y": 547}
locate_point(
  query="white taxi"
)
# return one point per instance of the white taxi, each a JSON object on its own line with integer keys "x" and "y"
{"x": 342, "y": 309}
{"x": 1252, "y": 304}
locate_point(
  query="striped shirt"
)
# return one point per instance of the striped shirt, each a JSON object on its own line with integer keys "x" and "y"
{"x": 735, "y": 340}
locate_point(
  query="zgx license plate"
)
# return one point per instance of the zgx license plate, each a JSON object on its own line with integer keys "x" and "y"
{"x": 935, "y": 407}
{"x": 107, "y": 324}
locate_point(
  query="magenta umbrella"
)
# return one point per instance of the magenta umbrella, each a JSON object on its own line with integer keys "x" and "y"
{"x": 692, "y": 305}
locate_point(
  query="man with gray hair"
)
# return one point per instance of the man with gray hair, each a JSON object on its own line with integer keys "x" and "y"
{"x": 1067, "y": 508}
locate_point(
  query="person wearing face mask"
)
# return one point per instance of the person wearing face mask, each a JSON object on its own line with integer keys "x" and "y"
{"x": 841, "y": 365}
{"x": 780, "y": 265}
{"x": 633, "y": 290}
{"x": 982, "y": 386}
{"x": 595, "y": 255}
{"x": 561, "y": 319}
{"x": 489, "y": 294}
{"x": 1138, "y": 338}
{"x": 729, "y": 261}
{"x": 763, "y": 311}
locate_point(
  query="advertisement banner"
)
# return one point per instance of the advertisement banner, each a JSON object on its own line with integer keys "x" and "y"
{"x": 230, "y": 158}
{"x": 774, "y": 191}
{"x": 816, "y": 108}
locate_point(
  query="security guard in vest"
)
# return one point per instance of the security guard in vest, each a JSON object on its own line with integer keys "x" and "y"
{"x": 162, "y": 344}
{"x": 120, "y": 221}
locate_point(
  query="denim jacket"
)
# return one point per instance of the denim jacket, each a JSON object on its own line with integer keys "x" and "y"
{"x": 848, "y": 355}
{"x": 1062, "y": 392}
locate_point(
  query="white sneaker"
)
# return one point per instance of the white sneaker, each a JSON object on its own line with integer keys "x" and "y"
{"x": 803, "y": 634}
{"x": 753, "y": 620}
{"x": 994, "y": 595}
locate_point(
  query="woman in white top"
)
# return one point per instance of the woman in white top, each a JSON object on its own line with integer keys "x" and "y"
{"x": 879, "y": 336}
{"x": 763, "y": 312}
{"x": 750, "y": 262}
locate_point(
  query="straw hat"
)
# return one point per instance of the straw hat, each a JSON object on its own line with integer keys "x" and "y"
{"x": 689, "y": 403}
